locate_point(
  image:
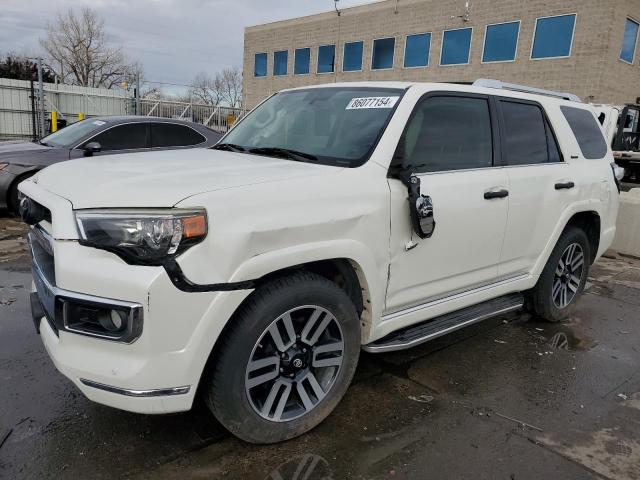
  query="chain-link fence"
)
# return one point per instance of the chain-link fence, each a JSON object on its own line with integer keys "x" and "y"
{"x": 19, "y": 108}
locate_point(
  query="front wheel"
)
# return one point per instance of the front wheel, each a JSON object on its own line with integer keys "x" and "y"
{"x": 286, "y": 361}
{"x": 564, "y": 276}
{"x": 13, "y": 203}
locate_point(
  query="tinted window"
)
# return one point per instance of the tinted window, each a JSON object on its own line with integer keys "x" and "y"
{"x": 447, "y": 133}
{"x": 280, "y": 60}
{"x": 629, "y": 40}
{"x": 302, "y": 60}
{"x": 416, "y": 51}
{"x": 500, "y": 42}
{"x": 123, "y": 137}
{"x": 525, "y": 135}
{"x": 352, "y": 61}
{"x": 326, "y": 58}
{"x": 171, "y": 135}
{"x": 456, "y": 45}
{"x": 383, "y": 49}
{"x": 260, "y": 66}
{"x": 553, "y": 36}
{"x": 587, "y": 131}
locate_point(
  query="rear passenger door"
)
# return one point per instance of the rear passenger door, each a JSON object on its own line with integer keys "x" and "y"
{"x": 449, "y": 143}
{"x": 540, "y": 183}
{"x": 173, "y": 135}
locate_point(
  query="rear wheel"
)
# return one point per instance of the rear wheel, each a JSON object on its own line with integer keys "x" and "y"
{"x": 563, "y": 277}
{"x": 286, "y": 361}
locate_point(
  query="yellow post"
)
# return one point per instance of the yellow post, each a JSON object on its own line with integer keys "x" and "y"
{"x": 54, "y": 122}
{"x": 80, "y": 116}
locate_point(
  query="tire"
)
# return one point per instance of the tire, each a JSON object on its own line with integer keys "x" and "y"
{"x": 12, "y": 198}
{"x": 559, "y": 285}
{"x": 235, "y": 389}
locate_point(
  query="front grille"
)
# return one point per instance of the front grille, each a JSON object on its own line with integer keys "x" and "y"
{"x": 42, "y": 253}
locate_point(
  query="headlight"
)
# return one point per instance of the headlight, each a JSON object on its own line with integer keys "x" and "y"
{"x": 147, "y": 237}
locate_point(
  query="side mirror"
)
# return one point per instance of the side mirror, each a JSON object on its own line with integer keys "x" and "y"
{"x": 91, "y": 148}
{"x": 421, "y": 210}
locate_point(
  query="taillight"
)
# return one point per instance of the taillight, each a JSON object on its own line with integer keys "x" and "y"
{"x": 618, "y": 174}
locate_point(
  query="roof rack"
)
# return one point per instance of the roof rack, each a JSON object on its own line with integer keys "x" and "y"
{"x": 489, "y": 83}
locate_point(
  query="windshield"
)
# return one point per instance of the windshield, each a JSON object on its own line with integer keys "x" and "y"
{"x": 331, "y": 125}
{"x": 69, "y": 136}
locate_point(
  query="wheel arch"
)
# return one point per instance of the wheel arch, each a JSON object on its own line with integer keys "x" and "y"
{"x": 346, "y": 273}
{"x": 20, "y": 177}
{"x": 588, "y": 219}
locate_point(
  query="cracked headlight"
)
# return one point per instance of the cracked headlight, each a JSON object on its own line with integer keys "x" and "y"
{"x": 144, "y": 237}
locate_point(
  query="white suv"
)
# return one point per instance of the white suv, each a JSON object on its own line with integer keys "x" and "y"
{"x": 331, "y": 219}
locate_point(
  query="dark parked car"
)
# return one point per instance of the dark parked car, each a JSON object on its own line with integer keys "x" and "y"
{"x": 93, "y": 137}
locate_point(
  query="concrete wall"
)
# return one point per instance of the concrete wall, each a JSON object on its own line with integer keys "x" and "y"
{"x": 627, "y": 239}
{"x": 591, "y": 71}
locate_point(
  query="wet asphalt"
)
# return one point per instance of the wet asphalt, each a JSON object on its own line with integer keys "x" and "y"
{"x": 512, "y": 398}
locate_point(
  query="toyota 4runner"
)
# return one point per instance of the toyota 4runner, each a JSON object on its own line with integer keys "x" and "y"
{"x": 330, "y": 220}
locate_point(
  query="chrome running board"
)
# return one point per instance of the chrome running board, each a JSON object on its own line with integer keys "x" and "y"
{"x": 413, "y": 335}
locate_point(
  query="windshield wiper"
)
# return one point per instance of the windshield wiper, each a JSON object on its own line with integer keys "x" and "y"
{"x": 230, "y": 147}
{"x": 43, "y": 143}
{"x": 285, "y": 153}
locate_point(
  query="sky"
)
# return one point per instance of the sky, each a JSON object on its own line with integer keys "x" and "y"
{"x": 173, "y": 39}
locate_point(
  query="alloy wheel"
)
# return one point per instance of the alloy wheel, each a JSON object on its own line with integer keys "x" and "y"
{"x": 568, "y": 275}
{"x": 294, "y": 363}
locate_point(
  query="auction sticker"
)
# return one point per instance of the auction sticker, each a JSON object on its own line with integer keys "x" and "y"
{"x": 99, "y": 123}
{"x": 372, "y": 102}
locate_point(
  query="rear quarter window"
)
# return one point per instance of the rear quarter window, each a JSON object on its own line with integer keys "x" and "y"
{"x": 587, "y": 132}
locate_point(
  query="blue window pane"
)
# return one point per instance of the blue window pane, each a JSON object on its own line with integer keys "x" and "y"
{"x": 260, "y": 66}
{"x": 416, "y": 51}
{"x": 629, "y": 41}
{"x": 383, "y": 49}
{"x": 500, "y": 42}
{"x": 326, "y": 58}
{"x": 302, "y": 60}
{"x": 352, "y": 61}
{"x": 553, "y": 37}
{"x": 456, "y": 45}
{"x": 280, "y": 60}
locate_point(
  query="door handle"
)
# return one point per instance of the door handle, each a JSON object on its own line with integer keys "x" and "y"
{"x": 490, "y": 194}
{"x": 564, "y": 185}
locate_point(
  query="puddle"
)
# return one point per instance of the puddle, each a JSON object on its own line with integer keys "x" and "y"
{"x": 561, "y": 336}
{"x": 307, "y": 467}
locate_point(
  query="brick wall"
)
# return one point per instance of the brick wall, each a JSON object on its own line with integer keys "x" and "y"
{"x": 593, "y": 71}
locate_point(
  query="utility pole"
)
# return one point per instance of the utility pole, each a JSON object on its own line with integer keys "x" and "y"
{"x": 40, "y": 98}
{"x": 138, "y": 112}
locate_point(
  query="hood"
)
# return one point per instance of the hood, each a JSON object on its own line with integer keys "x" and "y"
{"x": 162, "y": 179}
{"x": 13, "y": 147}
{"x": 29, "y": 153}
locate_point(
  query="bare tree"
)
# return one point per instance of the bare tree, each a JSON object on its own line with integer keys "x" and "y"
{"x": 80, "y": 54}
{"x": 205, "y": 89}
{"x": 229, "y": 84}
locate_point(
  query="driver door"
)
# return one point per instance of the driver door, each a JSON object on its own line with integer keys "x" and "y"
{"x": 450, "y": 145}
{"x": 124, "y": 138}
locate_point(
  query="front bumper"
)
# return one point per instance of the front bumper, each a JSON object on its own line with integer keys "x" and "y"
{"x": 158, "y": 372}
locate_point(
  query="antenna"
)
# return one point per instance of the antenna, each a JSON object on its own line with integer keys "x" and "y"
{"x": 335, "y": 5}
{"x": 466, "y": 17}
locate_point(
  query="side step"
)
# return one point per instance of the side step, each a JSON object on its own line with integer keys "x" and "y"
{"x": 436, "y": 327}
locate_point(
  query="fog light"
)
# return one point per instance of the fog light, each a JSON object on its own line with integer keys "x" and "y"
{"x": 111, "y": 321}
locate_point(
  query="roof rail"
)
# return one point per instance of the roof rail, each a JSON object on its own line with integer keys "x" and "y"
{"x": 489, "y": 83}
